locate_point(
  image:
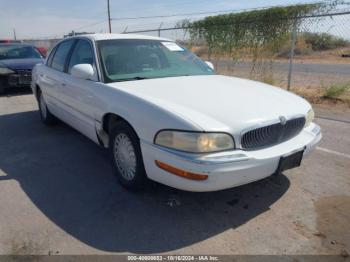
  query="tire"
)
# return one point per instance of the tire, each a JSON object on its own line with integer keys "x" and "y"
{"x": 46, "y": 117}
{"x": 2, "y": 86}
{"x": 125, "y": 153}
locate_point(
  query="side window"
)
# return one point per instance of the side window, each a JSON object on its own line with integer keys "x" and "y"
{"x": 60, "y": 56}
{"x": 49, "y": 59}
{"x": 82, "y": 54}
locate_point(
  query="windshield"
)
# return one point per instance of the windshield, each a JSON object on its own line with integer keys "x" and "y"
{"x": 18, "y": 52}
{"x": 136, "y": 59}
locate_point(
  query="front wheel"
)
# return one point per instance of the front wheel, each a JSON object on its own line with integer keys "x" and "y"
{"x": 124, "y": 147}
{"x": 46, "y": 117}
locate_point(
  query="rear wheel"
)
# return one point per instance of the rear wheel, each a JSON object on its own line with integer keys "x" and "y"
{"x": 125, "y": 152}
{"x": 46, "y": 117}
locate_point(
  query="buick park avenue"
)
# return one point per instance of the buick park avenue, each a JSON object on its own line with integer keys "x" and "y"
{"x": 165, "y": 115}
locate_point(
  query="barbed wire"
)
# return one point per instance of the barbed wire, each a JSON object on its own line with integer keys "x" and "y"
{"x": 215, "y": 12}
{"x": 346, "y": 12}
{"x": 187, "y": 15}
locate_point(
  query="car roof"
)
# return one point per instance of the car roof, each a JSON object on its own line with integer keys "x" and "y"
{"x": 98, "y": 37}
{"x": 15, "y": 44}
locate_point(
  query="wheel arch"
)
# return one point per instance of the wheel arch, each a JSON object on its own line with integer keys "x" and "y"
{"x": 36, "y": 91}
{"x": 107, "y": 122}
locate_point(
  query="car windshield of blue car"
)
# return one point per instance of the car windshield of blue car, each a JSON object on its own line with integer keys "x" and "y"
{"x": 137, "y": 59}
{"x": 18, "y": 52}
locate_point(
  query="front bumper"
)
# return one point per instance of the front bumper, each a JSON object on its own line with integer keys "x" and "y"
{"x": 22, "y": 78}
{"x": 225, "y": 169}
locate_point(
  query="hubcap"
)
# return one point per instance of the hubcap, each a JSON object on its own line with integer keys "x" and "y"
{"x": 124, "y": 156}
{"x": 43, "y": 108}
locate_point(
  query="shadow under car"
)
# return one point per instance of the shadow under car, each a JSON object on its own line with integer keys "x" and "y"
{"x": 70, "y": 180}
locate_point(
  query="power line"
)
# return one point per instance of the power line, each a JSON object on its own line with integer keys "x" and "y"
{"x": 165, "y": 6}
{"x": 228, "y": 24}
{"x": 165, "y": 16}
{"x": 89, "y": 25}
{"x": 177, "y": 15}
{"x": 205, "y": 13}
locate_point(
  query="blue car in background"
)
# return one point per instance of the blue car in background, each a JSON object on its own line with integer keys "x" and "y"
{"x": 16, "y": 64}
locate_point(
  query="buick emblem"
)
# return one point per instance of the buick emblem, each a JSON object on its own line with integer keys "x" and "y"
{"x": 283, "y": 120}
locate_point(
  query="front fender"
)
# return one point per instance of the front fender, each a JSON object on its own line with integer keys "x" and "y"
{"x": 145, "y": 117}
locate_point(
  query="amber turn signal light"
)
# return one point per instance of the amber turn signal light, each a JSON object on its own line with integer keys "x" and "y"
{"x": 180, "y": 172}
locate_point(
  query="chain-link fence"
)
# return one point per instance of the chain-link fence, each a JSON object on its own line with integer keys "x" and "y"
{"x": 308, "y": 53}
{"x": 313, "y": 58}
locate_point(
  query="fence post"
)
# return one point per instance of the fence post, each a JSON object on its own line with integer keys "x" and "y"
{"x": 209, "y": 52}
{"x": 294, "y": 38}
{"x": 160, "y": 26}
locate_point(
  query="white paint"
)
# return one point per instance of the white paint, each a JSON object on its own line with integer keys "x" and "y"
{"x": 218, "y": 103}
{"x": 333, "y": 152}
{"x": 83, "y": 71}
{"x": 193, "y": 103}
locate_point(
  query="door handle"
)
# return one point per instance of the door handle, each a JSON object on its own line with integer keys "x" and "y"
{"x": 63, "y": 84}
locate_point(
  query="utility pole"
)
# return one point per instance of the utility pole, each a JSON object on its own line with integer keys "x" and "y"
{"x": 109, "y": 17}
{"x": 160, "y": 26}
{"x": 14, "y": 34}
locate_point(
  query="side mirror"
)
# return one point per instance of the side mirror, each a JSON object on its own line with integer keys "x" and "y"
{"x": 83, "y": 71}
{"x": 210, "y": 64}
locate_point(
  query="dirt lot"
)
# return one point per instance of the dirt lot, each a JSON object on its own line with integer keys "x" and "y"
{"x": 310, "y": 79}
{"x": 305, "y": 74}
{"x": 58, "y": 196}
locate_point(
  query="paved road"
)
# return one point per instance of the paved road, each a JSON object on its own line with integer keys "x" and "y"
{"x": 58, "y": 196}
{"x": 339, "y": 69}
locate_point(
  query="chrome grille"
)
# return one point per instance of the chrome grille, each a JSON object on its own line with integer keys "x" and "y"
{"x": 272, "y": 134}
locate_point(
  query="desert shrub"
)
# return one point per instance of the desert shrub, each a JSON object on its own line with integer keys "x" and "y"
{"x": 301, "y": 48}
{"x": 336, "y": 90}
{"x": 269, "y": 79}
{"x": 201, "y": 51}
{"x": 324, "y": 41}
{"x": 258, "y": 32}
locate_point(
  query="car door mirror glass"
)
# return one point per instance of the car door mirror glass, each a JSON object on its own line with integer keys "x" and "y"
{"x": 83, "y": 71}
{"x": 210, "y": 64}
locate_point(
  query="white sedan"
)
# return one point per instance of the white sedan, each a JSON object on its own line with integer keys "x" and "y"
{"x": 165, "y": 115}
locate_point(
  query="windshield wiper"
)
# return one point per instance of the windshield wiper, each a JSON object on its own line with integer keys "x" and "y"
{"x": 132, "y": 78}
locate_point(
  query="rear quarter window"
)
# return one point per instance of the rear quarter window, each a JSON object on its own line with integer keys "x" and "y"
{"x": 49, "y": 59}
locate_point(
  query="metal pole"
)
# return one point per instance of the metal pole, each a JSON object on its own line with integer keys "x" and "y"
{"x": 14, "y": 34}
{"x": 294, "y": 38}
{"x": 160, "y": 26}
{"x": 109, "y": 17}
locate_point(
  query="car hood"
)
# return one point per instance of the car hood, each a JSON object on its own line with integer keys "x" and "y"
{"x": 218, "y": 103}
{"x": 21, "y": 64}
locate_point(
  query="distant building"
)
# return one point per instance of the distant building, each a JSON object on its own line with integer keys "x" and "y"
{"x": 73, "y": 33}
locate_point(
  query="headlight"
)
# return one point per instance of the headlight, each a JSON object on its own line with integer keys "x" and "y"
{"x": 5, "y": 70}
{"x": 309, "y": 117}
{"x": 194, "y": 142}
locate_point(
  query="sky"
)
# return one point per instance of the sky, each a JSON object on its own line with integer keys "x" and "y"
{"x": 49, "y": 19}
